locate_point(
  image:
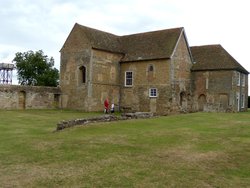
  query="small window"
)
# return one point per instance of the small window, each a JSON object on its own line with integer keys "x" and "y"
{"x": 207, "y": 82}
{"x": 83, "y": 74}
{"x": 150, "y": 68}
{"x": 153, "y": 92}
{"x": 238, "y": 78}
{"x": 128, "y": 78}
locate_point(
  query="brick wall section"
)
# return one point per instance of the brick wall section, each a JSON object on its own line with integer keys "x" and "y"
{"x": 29, "y": 97}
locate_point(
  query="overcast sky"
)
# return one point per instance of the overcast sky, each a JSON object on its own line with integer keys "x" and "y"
{"x": 45, "y": 24}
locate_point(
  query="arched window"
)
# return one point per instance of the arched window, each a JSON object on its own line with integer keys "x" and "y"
{"x": 150, "y": 72}
{"x": 150, "y": 68}
{"x": 83, "y": 74}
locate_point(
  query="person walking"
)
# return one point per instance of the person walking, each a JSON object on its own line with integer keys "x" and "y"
{"x": 106, "y": 106}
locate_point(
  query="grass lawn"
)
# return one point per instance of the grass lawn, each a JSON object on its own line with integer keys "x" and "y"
{"x": 190, "y": 150}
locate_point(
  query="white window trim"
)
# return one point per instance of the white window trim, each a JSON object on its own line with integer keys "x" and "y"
{"x": 150, "y": 93}
{"x": 125, "y": 81}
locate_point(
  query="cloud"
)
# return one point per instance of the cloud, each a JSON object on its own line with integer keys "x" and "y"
{"x": 45, "y": 24}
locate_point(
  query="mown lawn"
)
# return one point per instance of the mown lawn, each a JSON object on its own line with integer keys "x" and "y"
{"x": 190, "y": 150}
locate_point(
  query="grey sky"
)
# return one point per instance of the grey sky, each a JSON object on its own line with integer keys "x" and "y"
{"x": 45, "y": 24}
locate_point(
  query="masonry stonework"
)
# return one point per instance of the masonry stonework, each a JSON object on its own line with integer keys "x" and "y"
{"x": 28, "y": 97}
{"x": 166, "y": 75}
{"x": 154, "y": 72}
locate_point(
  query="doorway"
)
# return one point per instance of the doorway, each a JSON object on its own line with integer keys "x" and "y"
{"x": 201, "y": 102}
{"x": 22, "y": 100}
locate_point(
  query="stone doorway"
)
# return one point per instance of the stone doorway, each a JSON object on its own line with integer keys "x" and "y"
{"x": 201, "y": 102}
{"x": 223, "y": 101}
{"x": 183, "y": 100}
{"x": 22, "y": 100}
{"x": 153, "y": 105}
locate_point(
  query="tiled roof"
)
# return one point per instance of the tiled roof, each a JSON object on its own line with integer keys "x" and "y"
{"x": 150, "y": 45}
{"x": 142, "y": 46}
{"x": 214, "y": 57}
{"x": 101, "y": 40}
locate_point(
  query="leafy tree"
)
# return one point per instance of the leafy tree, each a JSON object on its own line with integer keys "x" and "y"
{"x": 35, "y": 68}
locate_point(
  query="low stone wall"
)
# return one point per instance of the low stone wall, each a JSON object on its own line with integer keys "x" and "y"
{"x": 105, "y": 118}
{"x": 29, "y": 97}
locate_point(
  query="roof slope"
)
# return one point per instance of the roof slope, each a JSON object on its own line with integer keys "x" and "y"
{"x": 142, "y": 46}
{"x": 150, "y": 45}
{"x": 214, "y": 57}
{"x": 101, "y": 40}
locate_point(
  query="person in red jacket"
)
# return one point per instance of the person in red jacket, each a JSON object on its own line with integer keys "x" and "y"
{"x": 106, "y": 105}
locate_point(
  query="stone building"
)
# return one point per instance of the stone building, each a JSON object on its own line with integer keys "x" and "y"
{"x": 220, "y": 82}
{"x": 153, "y": 71}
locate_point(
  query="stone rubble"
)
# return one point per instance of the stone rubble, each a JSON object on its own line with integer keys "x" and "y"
{"x": 105, "y": 118}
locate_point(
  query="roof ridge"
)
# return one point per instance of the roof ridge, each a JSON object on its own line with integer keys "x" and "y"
{"x": 152, "y": 32}
{"x": 93, "y": 29}
{"x": 207, "y": 45}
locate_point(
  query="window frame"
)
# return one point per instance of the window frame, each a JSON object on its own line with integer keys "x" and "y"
{"x": 151, "y": 68}
{"x": 153, "y": 92}
{"x": 238, "y": 78}
{"x": 130, "y": 79}
{"x": 243, "y": 80}
{"x": 242, "y": 100}
{"x": 207, "y": 83}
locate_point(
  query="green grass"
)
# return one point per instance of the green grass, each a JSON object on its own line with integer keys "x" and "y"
{"x": 191, "y": 150}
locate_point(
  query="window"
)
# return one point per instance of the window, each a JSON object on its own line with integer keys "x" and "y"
{"x": 238, "y": 101}
{"x": 152, "y": 92}
{"x": 128, "y": 78}
{"x": 243, "y": 79}
{"x": 150, "y": 68}
{"x": 238, "y": 78}
{"x": 207, "y": 81}
{"x": 150, "y": 72}
{"x": 83, "y": 74}
{"x": 242, "y": 101}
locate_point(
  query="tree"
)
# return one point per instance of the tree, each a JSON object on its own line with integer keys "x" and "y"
{"x": 35, "y": 68}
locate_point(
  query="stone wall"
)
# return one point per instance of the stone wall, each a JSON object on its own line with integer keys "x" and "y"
{"x": 102, "y": 79}
{"x": 171, "y": 77}
{"x": 105, "y": 79}
{"x": 74, "y": 91}
{"x": 218, "y": 91}
{"x": 136, "y": 97}
{"x": 105, "y": 118}
{"x": 181, "y": 84}
{"x": 29, "y": 97}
